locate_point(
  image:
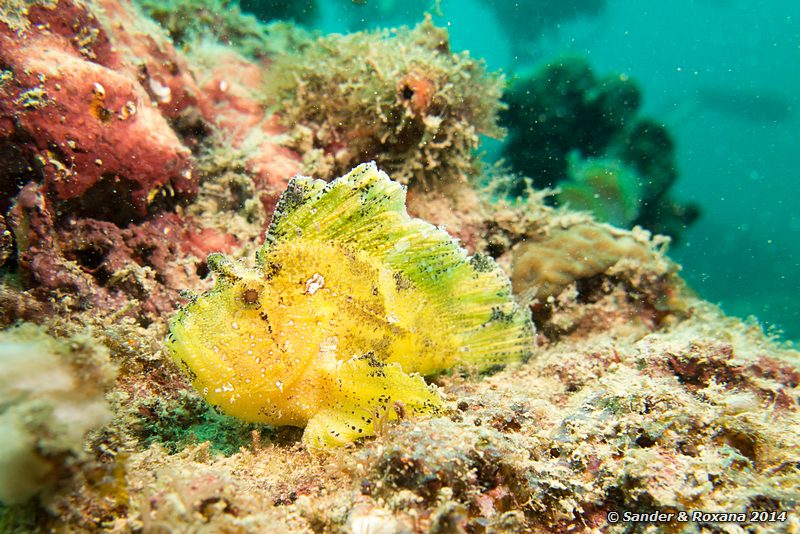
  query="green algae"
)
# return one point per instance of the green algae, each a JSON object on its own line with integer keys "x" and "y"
{"x": 187, "y": 21}
{"x": 188, "y": 420}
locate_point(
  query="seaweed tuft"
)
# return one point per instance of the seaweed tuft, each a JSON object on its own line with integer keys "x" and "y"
{"x": 401, "y": 98}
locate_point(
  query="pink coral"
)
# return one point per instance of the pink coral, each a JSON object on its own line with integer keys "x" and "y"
{"x": 101, "y": 265}
{"x": 233, "y": 84}
{"x": 81, "y": 120}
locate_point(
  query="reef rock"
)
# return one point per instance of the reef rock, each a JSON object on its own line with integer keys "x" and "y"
{"x": 73, "y": 109}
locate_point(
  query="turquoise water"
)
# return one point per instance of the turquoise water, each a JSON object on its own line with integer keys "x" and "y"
{"x": 725, "y": 78}
{"x": 722, "y": 75}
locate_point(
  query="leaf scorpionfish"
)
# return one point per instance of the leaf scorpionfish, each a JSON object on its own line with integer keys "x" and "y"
{"x": 350, "y": 303}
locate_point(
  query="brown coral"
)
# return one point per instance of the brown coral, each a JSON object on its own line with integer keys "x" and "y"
{"x": 581, "y": 276}
{"x": 544, "y": 268}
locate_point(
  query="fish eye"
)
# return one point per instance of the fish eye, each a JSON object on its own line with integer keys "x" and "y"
{"x": 250, "y": 296}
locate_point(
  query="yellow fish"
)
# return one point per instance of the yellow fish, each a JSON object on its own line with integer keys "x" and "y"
{"x": 350, "y": 303}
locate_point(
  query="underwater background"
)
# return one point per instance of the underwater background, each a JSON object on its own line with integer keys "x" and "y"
{"x": 237, "y": 295}
{"x": 723, "y": 76}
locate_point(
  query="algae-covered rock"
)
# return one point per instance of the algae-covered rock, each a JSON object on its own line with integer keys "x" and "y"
{"x": 672, "y": 420}
{"x": 401, "y": 98}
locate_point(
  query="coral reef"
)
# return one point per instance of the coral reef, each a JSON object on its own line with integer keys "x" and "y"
{"x": 402, "y": 99}
{"x": 74, "y": 110}
{"x": 98, "y": 168}
{"x": 639, "y": 397}
{"x": 109, "y": 119}
{"x": 51, "y": 394}
{"x": 665, "y": 420}
{"x": 563, "y": 113}
{"x": 350, "y": 300}
{"x": 577, "y": 267}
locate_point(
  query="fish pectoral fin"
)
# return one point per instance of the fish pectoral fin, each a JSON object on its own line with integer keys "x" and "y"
{"x": 370, "y": 393}
{"x": 332, "y": 428}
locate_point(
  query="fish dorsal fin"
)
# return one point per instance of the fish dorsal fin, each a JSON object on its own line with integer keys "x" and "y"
{"x": 340, "y": 210}
{"x": 364, "y": 211}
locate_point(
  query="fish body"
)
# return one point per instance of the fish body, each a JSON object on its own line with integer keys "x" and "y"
{"x": 350, "y": 303}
